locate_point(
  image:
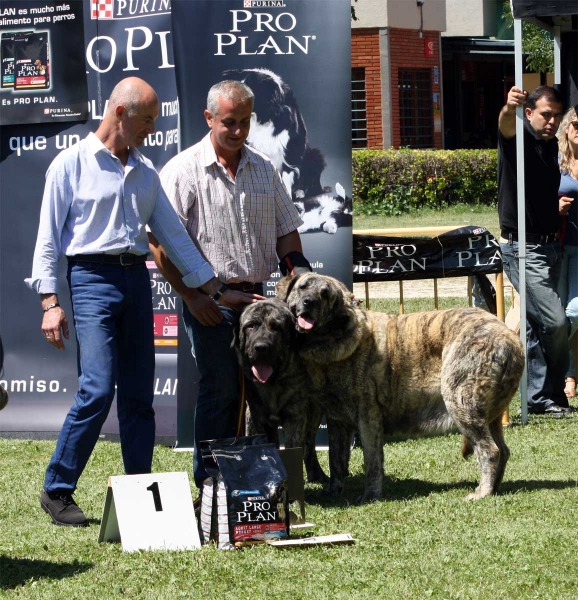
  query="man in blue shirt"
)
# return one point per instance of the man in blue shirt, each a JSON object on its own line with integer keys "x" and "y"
{"x": 99, "y": 196}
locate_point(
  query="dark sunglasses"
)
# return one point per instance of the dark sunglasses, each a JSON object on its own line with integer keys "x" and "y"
{"x": 574, "y": 124}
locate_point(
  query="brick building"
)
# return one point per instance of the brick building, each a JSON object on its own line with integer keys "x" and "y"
{"x": 396, "y": 73}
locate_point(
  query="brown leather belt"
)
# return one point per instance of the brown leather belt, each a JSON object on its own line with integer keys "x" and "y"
{"x": 124, "y": 260}
{"x": 246, "y": 286}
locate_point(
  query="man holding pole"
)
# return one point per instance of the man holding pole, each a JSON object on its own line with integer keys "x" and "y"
{"x": 547, "y": 340}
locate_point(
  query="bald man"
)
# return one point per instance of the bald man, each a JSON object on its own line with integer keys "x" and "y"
{"x": 99, "y": 196}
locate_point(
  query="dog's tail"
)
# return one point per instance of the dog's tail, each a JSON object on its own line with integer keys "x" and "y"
{"x": 467, "y": 448}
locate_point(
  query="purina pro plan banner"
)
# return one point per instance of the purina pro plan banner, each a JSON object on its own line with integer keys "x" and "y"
{"x": 296, "y": 57}
{"x": 110, "y": 40}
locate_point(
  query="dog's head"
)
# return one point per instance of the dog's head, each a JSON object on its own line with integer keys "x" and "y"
{"x": 315, "y": 300}
{"x": 265, "y": 340}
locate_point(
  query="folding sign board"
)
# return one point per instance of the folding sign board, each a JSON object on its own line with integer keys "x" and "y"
{"x": 150, "y": 512}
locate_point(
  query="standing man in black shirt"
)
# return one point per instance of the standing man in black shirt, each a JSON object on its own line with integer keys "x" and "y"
{"x": 547, "y": 355}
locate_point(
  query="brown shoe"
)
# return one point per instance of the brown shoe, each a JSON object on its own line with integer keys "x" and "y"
{"x": 62, "y": 509}
{"x": 570, "y": 389}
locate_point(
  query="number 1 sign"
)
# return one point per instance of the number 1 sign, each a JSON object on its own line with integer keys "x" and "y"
{"x": 150, "y": 512}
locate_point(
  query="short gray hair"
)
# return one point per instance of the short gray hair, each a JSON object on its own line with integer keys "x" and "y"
{"x": 237, "y": 91}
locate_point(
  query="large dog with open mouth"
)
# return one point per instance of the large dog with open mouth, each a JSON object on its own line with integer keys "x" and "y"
{"x": 417, "y": 373}
{"x": 278, "y": 389}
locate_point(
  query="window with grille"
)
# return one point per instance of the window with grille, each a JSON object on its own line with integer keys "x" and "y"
{"x": 358, "y": 109}
{"x": 415, "y": 108}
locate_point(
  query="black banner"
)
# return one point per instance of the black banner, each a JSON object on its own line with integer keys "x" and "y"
{"x": 43, "y": 73}
{"x": 458, "y": 253}
{"x": 121, "y": 39}
{"x": 296, "y": 57}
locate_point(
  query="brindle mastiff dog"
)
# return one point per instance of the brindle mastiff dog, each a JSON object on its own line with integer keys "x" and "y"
{"x": 278, "y": 389}
{"x": 417, "y": 373}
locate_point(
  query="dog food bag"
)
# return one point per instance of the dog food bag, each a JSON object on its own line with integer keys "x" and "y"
{"x": 32, "y": 66}
{"x": 7, "y": 53}
{"x": 247, "y": 501}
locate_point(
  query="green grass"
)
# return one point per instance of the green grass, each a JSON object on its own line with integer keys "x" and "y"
{"x": 422, "y": 541}
{"x": 460, "y": 216}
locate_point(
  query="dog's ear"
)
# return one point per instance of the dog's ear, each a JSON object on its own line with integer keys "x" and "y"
{"x": 285, "y": 285}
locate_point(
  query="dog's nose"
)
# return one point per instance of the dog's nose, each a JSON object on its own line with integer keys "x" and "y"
{"x": 307, "y": 301}
{"x": 261, "y": 348}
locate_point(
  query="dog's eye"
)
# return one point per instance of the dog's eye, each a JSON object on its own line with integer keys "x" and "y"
{"x": 275, "y": 326}
{"x": 324, "y": 293}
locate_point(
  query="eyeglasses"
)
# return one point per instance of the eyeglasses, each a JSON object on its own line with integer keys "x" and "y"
{"x": 574, "y": 124}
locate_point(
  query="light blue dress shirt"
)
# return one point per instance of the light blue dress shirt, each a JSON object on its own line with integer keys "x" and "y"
{"x": 91, "y": 205}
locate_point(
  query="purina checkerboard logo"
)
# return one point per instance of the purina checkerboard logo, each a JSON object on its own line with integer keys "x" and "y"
{"x": 128, "y": 9}
{"x": 263, "y": 4}
{"x": 101, "y": 9}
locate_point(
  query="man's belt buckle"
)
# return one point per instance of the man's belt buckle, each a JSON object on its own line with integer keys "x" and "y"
{"x": 127, "y": 260}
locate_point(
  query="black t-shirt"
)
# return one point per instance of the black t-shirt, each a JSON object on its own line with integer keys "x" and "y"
{"x": 542, "y": 179}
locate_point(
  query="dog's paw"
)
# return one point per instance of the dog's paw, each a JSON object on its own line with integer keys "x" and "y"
{"x": 330, "y": 226}
{"x": 369, "y": 496}
{"x": 318, "y": 477}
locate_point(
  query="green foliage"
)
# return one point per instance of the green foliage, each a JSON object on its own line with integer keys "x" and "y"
{"x": 537, "y": 43}
{"x": 393, "y": 182}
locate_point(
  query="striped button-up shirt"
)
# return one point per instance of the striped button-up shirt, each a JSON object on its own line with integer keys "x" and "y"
{"x": 92, "y": 205}
{"x": 235, "y": 223}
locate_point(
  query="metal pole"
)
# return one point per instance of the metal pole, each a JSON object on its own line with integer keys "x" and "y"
{"x": 521, "y": 212}
{"x": 557, "y": 56}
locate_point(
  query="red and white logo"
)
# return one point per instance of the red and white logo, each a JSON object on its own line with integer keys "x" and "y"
{"x": 101, "y": 9}
{"x": 247, "y": 3}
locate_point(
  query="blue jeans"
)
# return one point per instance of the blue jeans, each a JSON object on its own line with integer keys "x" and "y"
{"x": 547, "y": 335}
{"x": 218, "y": 400}
{"x": 568, "y": 290}
{"x": 113, "y": 318}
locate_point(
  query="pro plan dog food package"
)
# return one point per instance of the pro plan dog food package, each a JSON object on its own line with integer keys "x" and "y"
{"x": 245, "y": 497}
{"x": 32, "y": 60}
{"x": 7, "y": 60}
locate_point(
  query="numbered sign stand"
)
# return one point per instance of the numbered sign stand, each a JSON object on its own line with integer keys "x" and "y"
{"x": 150, "y": 512}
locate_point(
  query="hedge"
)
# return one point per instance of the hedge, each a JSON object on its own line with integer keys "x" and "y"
{"x": 392, "y": 182}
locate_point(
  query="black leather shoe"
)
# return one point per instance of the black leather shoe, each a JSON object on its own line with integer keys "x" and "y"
{"x": 554, "y": 410}
{"x": 62, "y": 509}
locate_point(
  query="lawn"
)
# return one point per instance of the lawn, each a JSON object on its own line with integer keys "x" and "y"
{"x": 422, "y": 541}
{"x": 460, "y": 216}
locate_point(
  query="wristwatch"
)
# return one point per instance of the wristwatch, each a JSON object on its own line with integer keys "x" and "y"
{"x": 219, "y": 292}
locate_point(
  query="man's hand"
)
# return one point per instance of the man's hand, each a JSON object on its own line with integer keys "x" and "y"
{"x": 507, "y": 117}
{"x": 516, "y": 97}
{"x": 55, "y": 327}
{"x": 203, "y": 308}
{"x": 238, "y": 300}
{"x": 564, "y": 204}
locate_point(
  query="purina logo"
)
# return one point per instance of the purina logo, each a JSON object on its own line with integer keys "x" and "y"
{"x": 101, "y": 9}
{"x": 263, "y": 4}
{"x": 128, "y": 9}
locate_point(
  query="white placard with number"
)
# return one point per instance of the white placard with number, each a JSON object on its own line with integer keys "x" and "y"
{"x": 150, "y": 512}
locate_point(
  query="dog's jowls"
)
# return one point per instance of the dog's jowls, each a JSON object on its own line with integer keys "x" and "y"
{"x": 416, "y": 373}
{"x": 277, "y": 385}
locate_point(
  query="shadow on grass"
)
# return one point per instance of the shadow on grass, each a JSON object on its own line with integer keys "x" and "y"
{"x": 17, "y": 571}
{"x": 407, "y": 489}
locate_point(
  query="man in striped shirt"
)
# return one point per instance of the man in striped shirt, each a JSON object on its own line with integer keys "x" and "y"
{"x": 236, "y": 209}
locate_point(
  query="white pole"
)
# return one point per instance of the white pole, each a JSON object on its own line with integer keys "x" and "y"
{"x": 557, "y": 57}
{"x": 521, "y": 211}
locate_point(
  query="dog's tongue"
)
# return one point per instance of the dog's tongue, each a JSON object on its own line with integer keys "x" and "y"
{"x": 262, "y": 372}
{"x": 305, "y": 322}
